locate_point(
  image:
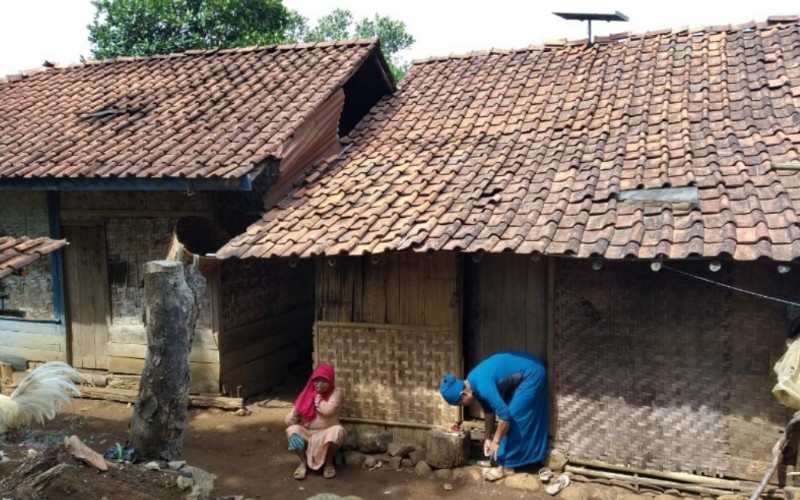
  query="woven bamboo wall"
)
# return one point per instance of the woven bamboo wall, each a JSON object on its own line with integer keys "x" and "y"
{"x": 390, "y": 325}
{"x": 390, "y": 373}
{"x": 657, "y": 370}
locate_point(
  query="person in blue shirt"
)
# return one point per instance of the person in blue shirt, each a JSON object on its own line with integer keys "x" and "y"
{"x": 511, "y": 386}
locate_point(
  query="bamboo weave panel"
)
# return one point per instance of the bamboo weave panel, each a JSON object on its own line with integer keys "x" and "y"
{"x": 657, "y": 373}
{"x": 640, "y": 387}
{"x": 390, "y": 373}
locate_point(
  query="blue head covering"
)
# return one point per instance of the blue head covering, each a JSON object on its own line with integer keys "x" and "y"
{"x": 451, "y": 389}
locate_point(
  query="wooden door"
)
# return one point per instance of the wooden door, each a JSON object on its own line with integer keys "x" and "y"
{"x": 505, "y": 308}
{"x": 86, "y": 275}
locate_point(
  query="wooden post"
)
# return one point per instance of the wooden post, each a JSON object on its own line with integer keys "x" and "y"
{"x": 172, "y": 295}
{"x": 6, "y": 374}
{"x": 446, "y": 450}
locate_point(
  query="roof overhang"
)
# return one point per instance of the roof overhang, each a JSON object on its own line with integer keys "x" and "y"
{"x": 127, "y": 184}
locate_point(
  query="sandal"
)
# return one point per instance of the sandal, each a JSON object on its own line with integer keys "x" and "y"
{"x": 560, "y": 483}
{"x": 300, "y": 472}
{"x": 497, "y": 473}
{"x": 328, "y": 472}
{"x": 545, "y": 474}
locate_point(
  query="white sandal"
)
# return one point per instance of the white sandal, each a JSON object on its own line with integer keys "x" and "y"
{"x": 559, "y": 484}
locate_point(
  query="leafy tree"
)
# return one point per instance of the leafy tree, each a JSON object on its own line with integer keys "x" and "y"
{"x": 147, "y": 27}
{"x": 338, "y": 25}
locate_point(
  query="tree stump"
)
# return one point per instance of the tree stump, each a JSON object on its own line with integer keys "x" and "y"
{"x": 447, "y": 450}
{"x": 172, "y": 295}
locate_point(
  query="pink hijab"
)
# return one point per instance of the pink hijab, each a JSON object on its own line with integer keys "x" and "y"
{"x": 304, "y": 404}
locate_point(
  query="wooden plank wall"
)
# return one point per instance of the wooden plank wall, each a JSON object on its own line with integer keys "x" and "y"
{"x": 268, "y": 309}
{"x": 21, "y": 341}
{"x": 127, "y": 349}
{"x": 403, "y": 288}
{"x": 505, "y": 306}
{"x": 138, "y": 228}
{"x": 391, "y": 324}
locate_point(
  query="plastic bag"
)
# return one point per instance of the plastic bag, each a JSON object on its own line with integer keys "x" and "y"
{"x": 119, "y": 453}
{"x": 787, "y": 369}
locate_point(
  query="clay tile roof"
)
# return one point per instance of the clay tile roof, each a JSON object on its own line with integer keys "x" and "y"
{"x": 536, "y": 151}
{"x": 221, "y": 113}
{"x": 16, "y": 253}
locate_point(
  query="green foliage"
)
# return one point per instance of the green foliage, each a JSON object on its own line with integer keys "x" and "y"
{"x": 146, "y": 27}
{"x": 338, "y": 25}
{"x": 334, "y": 26}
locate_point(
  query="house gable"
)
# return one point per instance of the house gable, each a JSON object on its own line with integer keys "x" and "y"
{"x": 199, "y": 115}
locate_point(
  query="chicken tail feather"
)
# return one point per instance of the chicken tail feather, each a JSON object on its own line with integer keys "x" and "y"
{"x": 39, "y": 395}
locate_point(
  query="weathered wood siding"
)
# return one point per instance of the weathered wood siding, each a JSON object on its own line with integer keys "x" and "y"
{"x": 138, "y": 228}
{"x": 397, "y": 288}
{"x": 23, "y": 341}
{"x": 505, "y": 306}
{"x": 390, "y": 324}
{"x": 662, "y": 371}
{"x": 267, "y": 315}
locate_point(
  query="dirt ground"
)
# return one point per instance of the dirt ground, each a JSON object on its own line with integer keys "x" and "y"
{"x": 246, "y": 453}
{"x": 248, "y": 456}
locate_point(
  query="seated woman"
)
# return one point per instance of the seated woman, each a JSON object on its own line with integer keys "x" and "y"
{"x": 513, "y": 387}
{"x": 313, "y": 430}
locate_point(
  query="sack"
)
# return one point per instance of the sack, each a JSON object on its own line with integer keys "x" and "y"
{"x": 787, "y": 390}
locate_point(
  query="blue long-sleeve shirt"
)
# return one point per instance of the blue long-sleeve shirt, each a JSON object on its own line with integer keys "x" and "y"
{"x": 494, "y": 379}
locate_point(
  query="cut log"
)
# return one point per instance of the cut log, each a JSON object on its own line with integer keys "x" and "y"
{"x": 171, "y": 309}
{"x": 447, "y": 450}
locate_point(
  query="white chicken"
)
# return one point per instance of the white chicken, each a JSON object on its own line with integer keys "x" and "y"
{"x": 39, "y": 395}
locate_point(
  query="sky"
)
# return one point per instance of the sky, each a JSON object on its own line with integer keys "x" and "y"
{"x": 34, "y": 31}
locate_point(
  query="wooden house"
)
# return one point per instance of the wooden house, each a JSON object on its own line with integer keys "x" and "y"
{"x": 626, "y": 210}
{"x": 121, "y": 157}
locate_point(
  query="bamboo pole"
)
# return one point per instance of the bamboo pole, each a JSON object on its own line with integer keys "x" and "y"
{"x": 636, "y": 479}
{"x": 673, "y": 476}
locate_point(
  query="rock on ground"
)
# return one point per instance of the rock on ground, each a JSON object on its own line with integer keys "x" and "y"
{"x": 422, "y": 469}
{"x": 523, "y": 481}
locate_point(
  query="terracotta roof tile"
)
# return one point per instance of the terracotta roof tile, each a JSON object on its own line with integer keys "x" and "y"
{"x": 16, "y": 253}
{"x": 198, "y": 114}
{"x": 528, "y": 151}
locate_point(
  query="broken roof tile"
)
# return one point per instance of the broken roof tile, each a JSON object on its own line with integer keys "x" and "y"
{"x": 16, "y": 253}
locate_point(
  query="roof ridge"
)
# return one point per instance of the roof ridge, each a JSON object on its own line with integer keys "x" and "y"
{"x": 51, "y": 66}
{"x": 772, "y": 21}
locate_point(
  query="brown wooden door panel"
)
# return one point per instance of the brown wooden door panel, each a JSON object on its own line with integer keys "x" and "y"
{"x": 505, "y": 308}
{"x": 86, "y": 268}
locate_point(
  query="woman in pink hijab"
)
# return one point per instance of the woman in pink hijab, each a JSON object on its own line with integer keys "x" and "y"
{"x": 314, "y": 431}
